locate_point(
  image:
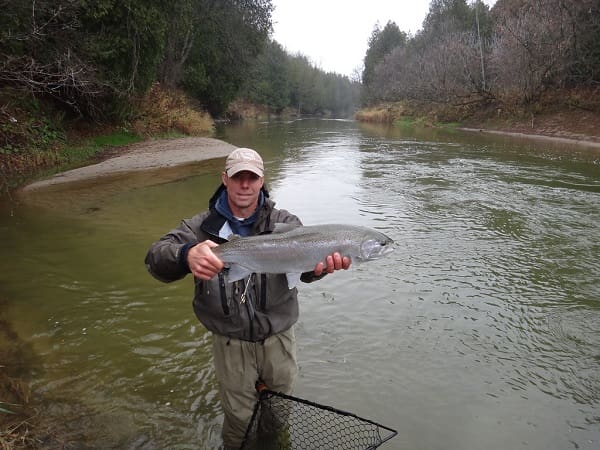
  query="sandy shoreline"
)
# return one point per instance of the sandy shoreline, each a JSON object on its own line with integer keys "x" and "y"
{"x": 539, "y": 137}
{"x": 142, "y": 156}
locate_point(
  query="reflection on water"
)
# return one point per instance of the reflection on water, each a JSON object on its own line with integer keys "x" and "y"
{"x": 481, "y": 331}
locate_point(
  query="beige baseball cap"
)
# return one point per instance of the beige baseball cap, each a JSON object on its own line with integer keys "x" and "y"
{"x": 244, "y": 159}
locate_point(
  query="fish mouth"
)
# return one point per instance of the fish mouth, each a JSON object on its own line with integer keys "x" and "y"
{"x": 386, "y": 248}
{"x": 383, "y": 250}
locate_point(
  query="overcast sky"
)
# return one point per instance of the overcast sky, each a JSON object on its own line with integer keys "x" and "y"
{"x": 334, "y": 34}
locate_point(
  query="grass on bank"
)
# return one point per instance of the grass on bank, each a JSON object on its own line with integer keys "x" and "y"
{"x": 15, "y": 428}
{"x": 403, "y": 115}
{"x": 16, "y": 360}
{"x": 37, "y": 140}
{"x": 568, "y": 111}
{"x": 412, "y": 113}
{"x": 18, "y": 167}
{"x": 88, "y": 150}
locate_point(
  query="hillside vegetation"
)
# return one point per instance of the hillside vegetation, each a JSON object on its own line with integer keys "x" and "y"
{"x": 517, "y": 61}
{"x": 71, "y": 70}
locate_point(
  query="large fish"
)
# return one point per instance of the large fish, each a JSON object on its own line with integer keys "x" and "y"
{"x": 294, "y": 250}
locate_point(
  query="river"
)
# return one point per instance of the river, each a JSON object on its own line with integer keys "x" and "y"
{"x": 482, "y": 329}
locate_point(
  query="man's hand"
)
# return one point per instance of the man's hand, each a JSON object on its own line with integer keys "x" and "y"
{"x": 203, "y": 263}
{"x": 334, "y": 262}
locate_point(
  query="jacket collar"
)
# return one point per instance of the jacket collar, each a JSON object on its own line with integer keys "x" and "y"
{"x": 214, "y": 222}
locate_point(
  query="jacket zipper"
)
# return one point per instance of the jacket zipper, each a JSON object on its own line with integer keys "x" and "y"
{"x": 223, "y": 294}
{"x": 250, "y": 299}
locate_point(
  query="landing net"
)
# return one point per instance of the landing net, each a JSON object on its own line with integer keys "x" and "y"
{"x": 284, "y": 422}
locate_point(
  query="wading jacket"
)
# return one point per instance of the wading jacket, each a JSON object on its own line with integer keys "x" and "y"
{"x": 268, "y": 306}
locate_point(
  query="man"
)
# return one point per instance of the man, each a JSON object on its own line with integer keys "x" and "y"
{"x": 252, "y": 319}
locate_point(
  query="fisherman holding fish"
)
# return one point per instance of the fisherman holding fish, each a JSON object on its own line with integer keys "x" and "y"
{"x": 251, "y": 318}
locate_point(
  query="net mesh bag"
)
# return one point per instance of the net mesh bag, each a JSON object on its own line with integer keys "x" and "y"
{"x": 281, "y": 421}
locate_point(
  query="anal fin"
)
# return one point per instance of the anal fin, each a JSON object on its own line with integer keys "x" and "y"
{"x": 293, "y": 279}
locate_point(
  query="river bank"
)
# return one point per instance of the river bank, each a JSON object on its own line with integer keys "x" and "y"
{"x": 560, "y": 124}
{"x": 583, "y": 140}
{"x": 574, "y": 126}
{"x": 574, "y": 129}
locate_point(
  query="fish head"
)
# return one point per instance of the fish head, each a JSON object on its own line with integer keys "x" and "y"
{"x": 375, "y": 245}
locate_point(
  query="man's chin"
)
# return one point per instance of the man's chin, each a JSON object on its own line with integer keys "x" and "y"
{"x": 244, "y": 202}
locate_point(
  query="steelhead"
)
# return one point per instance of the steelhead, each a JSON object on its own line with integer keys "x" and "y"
{"x": 294, "y": 250}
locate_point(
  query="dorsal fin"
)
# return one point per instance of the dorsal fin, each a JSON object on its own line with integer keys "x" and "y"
{"x": 284, "y": 227}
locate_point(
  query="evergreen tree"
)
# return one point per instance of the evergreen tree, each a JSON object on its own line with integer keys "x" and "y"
{"x": 381, "y": 44}
{"x": 267, "y": 82}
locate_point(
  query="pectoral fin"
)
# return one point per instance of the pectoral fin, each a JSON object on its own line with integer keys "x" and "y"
{"x": 237, "y": 272}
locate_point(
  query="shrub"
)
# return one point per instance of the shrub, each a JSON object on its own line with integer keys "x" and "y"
{"x": 162, "y": 111}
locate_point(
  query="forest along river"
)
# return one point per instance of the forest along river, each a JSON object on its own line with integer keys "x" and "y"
{"x": 482, "y": 329}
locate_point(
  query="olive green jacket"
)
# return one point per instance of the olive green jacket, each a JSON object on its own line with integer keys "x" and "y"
{"x": 269, "y": 307}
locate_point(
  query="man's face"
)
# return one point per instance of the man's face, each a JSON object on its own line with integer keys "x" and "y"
{"x": 243, "y": 190}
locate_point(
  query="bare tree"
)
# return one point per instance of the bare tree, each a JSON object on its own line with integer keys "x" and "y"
{"x": 532, "y": 48}
{"x": 445, "y": 68}
{"x": 37, "y": 55}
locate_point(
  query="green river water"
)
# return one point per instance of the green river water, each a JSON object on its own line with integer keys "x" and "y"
{"x": 481, "y": 331}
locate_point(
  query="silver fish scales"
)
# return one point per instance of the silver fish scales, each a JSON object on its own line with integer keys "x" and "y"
{"x": 294, "y": 250}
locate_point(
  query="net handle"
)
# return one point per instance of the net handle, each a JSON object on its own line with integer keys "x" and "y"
{"x": 260, "y": 387}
